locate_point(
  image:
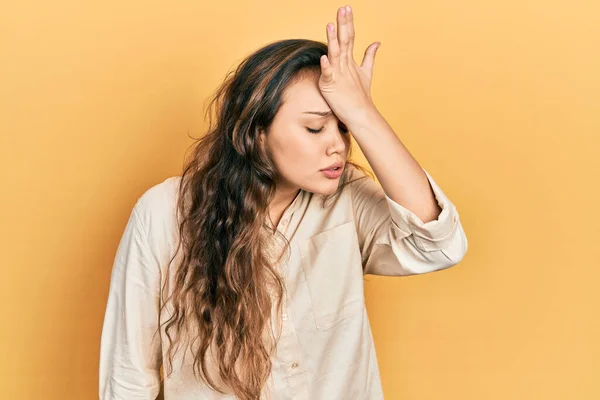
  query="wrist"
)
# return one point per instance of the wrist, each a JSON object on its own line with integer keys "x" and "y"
{"x": 365, "y": 120}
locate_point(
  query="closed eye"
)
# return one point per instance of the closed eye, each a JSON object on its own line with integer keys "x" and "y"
{"x": 315, "y": 131}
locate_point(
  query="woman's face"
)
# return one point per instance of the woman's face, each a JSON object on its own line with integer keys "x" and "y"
{"x": 299, "y": 154}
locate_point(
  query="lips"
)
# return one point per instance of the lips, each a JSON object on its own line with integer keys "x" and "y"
{"x": 334, "y": 166}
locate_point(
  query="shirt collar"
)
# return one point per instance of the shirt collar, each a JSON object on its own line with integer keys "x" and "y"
{"x": 294, "y": 204}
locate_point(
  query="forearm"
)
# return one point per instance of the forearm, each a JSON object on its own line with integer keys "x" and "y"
{"x": 400, "y": 175}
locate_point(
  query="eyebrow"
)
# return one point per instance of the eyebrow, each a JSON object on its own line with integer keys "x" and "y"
{"x": 321, "y": 113}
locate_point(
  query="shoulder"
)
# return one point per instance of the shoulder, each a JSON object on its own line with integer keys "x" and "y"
{"x": 158, "y": 198}
{"x": 156, "y": 210}
{"x": 356, "y": 179}
{"x": 354, "y": 173}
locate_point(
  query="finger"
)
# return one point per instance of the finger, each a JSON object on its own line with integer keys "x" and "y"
{"x": 326, "y": 69}
{"x": 369, "y": 57}
{"x": 342, "y": 19}
{"x": 333, "y": 47}
{"x": 350, "y": 24}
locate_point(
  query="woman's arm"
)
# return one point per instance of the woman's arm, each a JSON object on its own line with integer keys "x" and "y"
{"x": 403, "y": 180}
{"x": 130, "y": 352}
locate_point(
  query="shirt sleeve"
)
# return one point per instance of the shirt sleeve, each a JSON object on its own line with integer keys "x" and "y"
{"x": 130, "y": 353}
{"x": 395, "y": 241}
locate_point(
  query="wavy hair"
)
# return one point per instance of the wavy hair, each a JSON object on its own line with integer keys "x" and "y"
{"x": 225, "y": 286}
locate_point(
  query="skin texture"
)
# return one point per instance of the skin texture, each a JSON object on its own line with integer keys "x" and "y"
{"x": 299, "y": 154}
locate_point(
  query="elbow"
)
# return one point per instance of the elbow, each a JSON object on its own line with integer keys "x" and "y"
{"x": 450, "y": 254}
{"x": 457, "y": 249}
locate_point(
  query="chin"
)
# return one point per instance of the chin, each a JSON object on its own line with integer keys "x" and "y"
{"x": 326, "y": 188}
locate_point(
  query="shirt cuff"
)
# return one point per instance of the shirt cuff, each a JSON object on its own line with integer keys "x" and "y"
{"x": 431, "y": 235}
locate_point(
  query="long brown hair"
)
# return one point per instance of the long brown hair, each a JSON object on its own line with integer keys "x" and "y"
{"x": 224, "y": 288}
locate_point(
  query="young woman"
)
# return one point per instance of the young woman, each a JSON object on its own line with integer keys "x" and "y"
{"x": 244, "y": 276}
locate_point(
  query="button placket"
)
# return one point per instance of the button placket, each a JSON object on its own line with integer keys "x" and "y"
{"x": 287, "y": 327}
{"x": 289, "y": 353}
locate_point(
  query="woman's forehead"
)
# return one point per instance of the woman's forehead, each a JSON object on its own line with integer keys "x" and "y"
{"x": 304, "y": 96}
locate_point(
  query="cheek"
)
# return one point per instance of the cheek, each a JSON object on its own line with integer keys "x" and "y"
{"x": 297, "y": 151}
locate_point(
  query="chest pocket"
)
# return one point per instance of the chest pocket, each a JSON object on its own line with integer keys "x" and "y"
{"x": 332, "y": 265}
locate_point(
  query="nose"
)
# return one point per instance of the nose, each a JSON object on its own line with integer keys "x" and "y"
{"x": 338, "y": 141}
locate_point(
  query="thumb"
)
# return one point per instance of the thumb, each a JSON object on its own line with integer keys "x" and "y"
{"x": 326, "y": 69}
{"x": 369, "y": 57}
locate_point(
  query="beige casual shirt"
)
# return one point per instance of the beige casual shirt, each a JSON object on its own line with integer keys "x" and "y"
{"x": 326, "y": 348}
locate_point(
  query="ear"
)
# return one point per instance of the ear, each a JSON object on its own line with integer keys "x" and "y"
{"x": 262, "y": 139}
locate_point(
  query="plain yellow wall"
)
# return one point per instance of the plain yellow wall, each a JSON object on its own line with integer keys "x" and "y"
{"x": 498, "y": 100}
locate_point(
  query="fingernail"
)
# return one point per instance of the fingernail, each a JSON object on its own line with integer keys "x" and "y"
{"x": 348, "y": 9}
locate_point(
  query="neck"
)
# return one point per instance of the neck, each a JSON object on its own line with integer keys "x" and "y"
{"x": 283, "y": 199}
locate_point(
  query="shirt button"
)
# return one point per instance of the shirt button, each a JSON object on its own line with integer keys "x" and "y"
{"x": 294, "y": 365}
{"x": 284, "y": 317}
{"x": 284, "y": 222}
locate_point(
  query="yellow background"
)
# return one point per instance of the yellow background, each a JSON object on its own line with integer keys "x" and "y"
{"x": 498, "y": 100}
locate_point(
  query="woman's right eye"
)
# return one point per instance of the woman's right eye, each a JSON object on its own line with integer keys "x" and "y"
{"x": 315, "y": 131}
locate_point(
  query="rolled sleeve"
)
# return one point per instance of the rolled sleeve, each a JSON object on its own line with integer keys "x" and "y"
{"x": 394, "y": 241}
{"x": 432, "y": 235}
